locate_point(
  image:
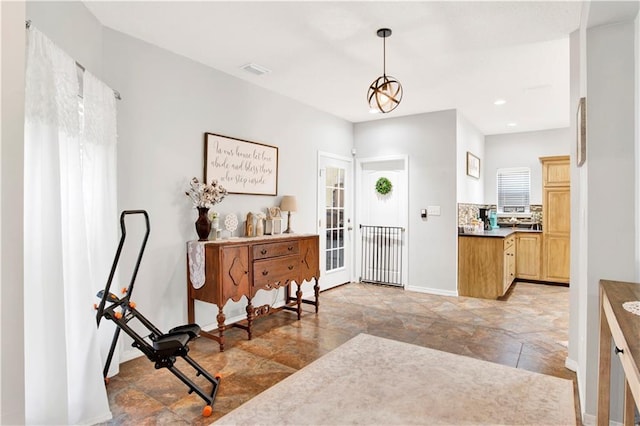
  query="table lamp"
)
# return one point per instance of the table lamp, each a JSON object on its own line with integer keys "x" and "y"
{"x": 289, "y": 205}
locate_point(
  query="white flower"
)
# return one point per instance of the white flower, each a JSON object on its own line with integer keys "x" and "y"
{"x": 203, "y": 195}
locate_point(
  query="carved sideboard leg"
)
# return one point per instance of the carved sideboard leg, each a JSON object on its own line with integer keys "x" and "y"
{"x": 250, "y": 316}
{"x": 191, "y": 316}
{"x": 299, "y": 300}
{"x": 221, "y": 319}
{"x": 316, "y": 292}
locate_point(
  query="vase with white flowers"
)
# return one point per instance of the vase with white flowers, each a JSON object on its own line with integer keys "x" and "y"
{"x": 204, "y": 196}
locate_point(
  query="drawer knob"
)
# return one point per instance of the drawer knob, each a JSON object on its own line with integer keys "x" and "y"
{"x": 619, "y": 351}
{"x": 290, "y": 248}
{"x": 290, "y": 267}
{"x": 263, "y": 251}
{"x": 265, "y": 272}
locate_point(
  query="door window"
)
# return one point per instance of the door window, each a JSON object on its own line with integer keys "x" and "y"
{"x": 335, "y": 202}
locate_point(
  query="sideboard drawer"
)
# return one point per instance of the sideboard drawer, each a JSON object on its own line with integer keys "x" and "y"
{"x": 274, "y": 273}
{"x": 266, "y": 251}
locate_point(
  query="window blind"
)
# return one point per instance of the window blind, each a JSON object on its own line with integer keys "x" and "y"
{"x": 513, "y": 190}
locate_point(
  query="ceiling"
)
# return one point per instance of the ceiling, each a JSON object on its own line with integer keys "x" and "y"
{"x": 461, "y": 55}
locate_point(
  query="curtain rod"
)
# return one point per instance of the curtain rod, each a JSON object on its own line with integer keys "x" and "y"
{"x": 78, "y": 64}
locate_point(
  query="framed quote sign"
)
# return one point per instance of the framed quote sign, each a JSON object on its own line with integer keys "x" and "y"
{"x": 242, "y": 167}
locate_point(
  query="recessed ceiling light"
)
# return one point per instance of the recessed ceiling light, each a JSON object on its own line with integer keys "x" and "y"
{"x": 255, "y": 69}
{"x": 499, "y": 102}
{"x": 512, "y": 124}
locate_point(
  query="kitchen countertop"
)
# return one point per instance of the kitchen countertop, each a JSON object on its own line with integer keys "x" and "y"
{"x": 498, "y": 233}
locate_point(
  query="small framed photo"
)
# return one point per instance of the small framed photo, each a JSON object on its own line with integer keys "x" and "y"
{"x": 581, "y": 136}
{"x": 473, "y": 165}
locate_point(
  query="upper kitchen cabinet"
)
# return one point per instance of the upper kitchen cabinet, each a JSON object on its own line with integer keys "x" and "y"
{"x": 556, "y": 218}
{"x": 555, "y": 171}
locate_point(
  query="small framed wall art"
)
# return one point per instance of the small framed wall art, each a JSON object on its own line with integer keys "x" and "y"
{"x": 581, "y": 132}
{"x": 473, "y": 165}
{"x": 242, "y": 167}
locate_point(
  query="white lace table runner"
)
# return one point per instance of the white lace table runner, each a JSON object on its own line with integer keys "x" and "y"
{"x": 633, "y": 307}
{"x": 195, "y": 254}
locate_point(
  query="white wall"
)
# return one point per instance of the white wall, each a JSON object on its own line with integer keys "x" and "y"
{"x": 522, "y": 150}
{"x": 578, "y": 274}
{"x": 469, "y": 189}
{"x": 168, "y": 103}
{"x": 12, "y": 405}
{"x": 611, "y": 189}
{"x": 637, "y": 146}
{"x": 430, "y": 142}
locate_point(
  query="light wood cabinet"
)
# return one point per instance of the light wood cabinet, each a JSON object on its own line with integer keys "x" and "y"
{"x": 529, "y": 254}
{"x": 486, "y": 266}
{"x": 556, "y": 171}
{"x": 556, "y": 219}
{"x": 509, "y": 264}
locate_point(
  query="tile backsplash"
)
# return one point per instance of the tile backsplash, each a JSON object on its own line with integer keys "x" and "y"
{"x": 466, "y": 212}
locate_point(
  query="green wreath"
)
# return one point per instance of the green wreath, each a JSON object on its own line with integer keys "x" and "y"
{"x": 383, "y": 186}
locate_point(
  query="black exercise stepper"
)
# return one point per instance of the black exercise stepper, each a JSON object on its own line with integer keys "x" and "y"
{"x": 160, "y": 348}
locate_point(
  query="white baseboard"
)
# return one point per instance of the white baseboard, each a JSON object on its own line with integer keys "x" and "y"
{"x": 590, "y": 420}
{"x": 102, "y": 418}
{"x": 133, "y": 353}
{"x": 436, "y": 291}
{"x": 129, "y": 354}
{"x": 214, "y": 326}
{"x": 587, "y": 419}
{"x": 571, "y": 364}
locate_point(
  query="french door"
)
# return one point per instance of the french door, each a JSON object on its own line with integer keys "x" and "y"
{"x": 335, "y": 224}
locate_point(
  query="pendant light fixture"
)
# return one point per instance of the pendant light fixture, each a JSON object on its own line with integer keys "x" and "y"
{"x": 385, "y": 93}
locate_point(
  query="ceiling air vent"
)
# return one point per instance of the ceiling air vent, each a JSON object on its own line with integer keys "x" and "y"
{"x": 255, "y": 69}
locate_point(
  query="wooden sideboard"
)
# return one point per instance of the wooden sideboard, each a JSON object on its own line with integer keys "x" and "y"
{"x": 239, "y": 267}
{"x": 623, "y": 328}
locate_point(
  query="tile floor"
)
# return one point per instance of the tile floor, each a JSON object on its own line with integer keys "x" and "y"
{"x": 527, "y": 329}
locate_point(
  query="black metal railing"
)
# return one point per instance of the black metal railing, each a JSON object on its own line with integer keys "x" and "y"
{"x": 381, "y": 254}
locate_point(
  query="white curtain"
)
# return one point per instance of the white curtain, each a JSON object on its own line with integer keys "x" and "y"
{"x": 63, "y": 377}
{"x": 99, "y": 189}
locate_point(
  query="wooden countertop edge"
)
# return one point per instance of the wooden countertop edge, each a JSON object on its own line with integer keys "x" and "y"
{"x": 617, "y": 293}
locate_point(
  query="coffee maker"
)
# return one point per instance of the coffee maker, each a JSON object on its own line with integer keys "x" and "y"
{"x": 484, "y": 217}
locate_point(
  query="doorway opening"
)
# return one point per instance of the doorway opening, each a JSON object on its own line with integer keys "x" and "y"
{"x": 386, "y": 212}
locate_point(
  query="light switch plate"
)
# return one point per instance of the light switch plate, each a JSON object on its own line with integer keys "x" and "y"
{"x": 433, "y": 210}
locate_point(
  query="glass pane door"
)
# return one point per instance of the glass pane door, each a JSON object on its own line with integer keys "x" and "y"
{"x": 334, "y": 220}
{"x": 334, "y": 184}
